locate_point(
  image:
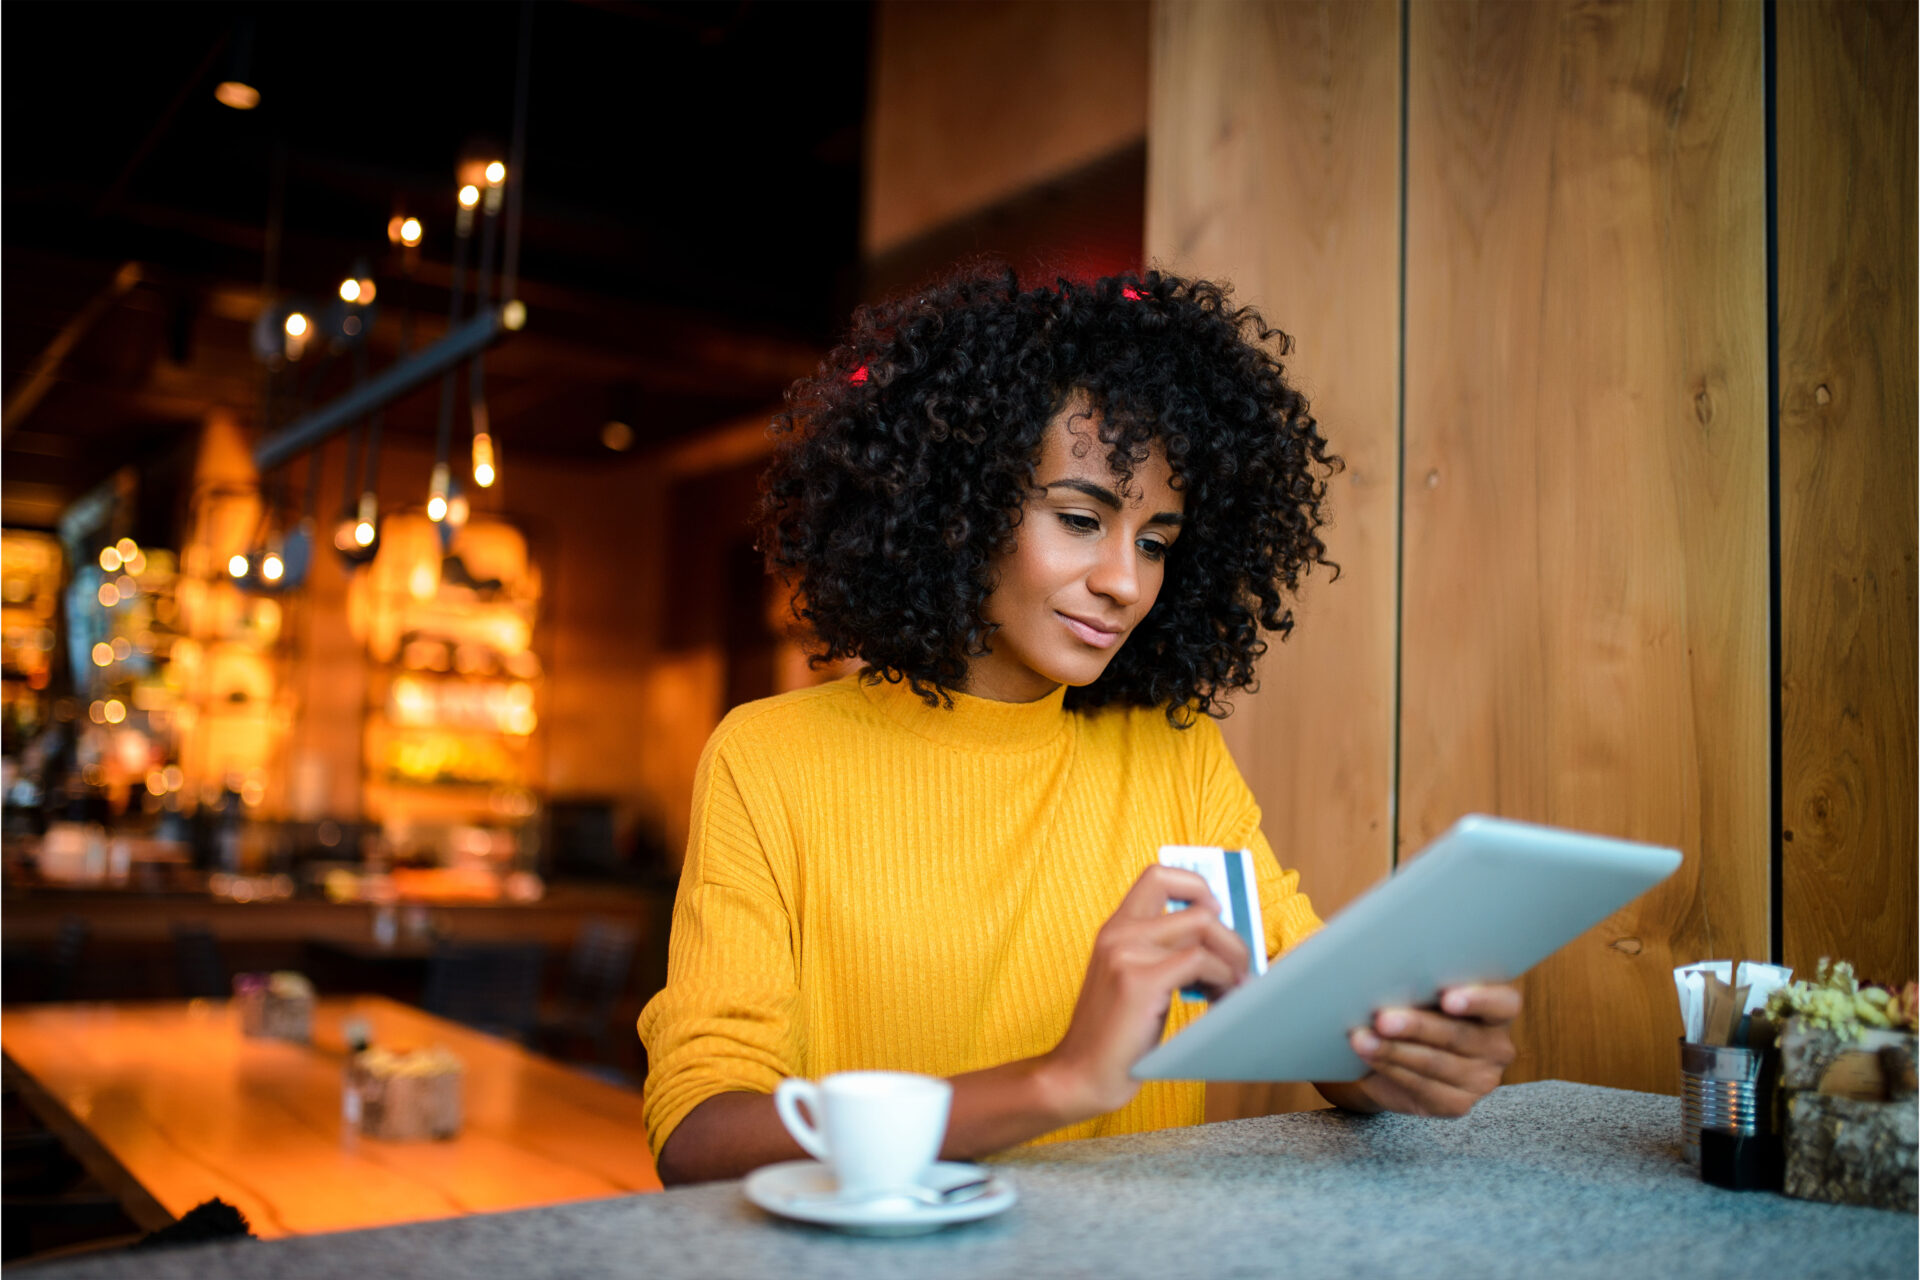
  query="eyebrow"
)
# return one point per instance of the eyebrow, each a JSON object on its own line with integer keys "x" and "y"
{"x": 1107, "y": 497}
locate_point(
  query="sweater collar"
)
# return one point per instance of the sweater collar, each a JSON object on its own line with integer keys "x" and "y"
{"x": 974, "y": 724}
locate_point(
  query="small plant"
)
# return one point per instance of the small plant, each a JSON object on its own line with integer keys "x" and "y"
{"x": 1835, "y": 1000}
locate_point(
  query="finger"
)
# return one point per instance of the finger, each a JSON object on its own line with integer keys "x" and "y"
{"x": 1192, "y": 927}
{"x": 1418, "y": 1095}
{"x": 1486, "y": 1003}
{"x": 1468, "y": 1039}
{"x": 1477, "y": 1075}
{"x": 1196, "y": 966}
{"x": 1157, "y": 885}
{"x": 1389, "y": 1095}
{"x": 1150, "y": 975}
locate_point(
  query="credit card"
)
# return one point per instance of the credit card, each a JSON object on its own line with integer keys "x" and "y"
{"x": 1229, "y": 876}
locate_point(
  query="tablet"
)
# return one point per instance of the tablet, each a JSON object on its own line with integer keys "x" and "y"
{"x": 1485, "y": 902}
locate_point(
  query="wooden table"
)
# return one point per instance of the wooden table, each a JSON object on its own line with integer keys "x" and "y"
{"x": 182, "y": 1107}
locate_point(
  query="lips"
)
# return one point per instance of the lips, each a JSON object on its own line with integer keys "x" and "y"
{"x": 1100, "y": 637}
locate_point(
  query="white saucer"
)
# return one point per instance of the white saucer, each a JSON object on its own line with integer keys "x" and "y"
{"x": 802, "y": 1190}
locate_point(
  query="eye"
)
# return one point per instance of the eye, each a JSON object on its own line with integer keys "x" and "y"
{"x": 1153, "y": 548}
{"x": 1079, "y": 523}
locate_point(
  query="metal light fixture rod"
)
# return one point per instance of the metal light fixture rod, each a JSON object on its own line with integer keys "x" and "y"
{"x": 462, "y": 343}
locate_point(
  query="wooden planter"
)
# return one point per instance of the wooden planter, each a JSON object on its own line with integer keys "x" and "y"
{"x": 1849, "y": 1116}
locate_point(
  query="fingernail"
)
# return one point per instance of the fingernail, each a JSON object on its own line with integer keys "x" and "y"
{"x": 1392, "y": 1024}
{"x": 1454, "y": 1002}
{"x": 1365, "y": 1042}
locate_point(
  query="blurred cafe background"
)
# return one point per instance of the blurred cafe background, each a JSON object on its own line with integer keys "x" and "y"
{"x": 385, "y": 388}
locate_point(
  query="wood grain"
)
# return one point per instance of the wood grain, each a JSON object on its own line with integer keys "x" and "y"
{"x": 1585, "y": 619}
{"x": 1846, "y": 136}
{"x": 1273, "y": 162}
{"x": 191, "y": 1109}
{"x": 973, "y": 101}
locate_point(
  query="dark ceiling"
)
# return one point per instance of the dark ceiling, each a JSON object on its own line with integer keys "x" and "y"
{"x": 691, "y": 193}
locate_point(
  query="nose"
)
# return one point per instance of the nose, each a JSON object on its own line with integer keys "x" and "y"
{"x": 1115, "y": 573}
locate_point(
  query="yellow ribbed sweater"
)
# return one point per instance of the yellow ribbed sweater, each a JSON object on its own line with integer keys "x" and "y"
{"x": 871, "y": 882}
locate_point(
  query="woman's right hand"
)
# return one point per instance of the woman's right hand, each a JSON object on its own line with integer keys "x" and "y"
{"x": 1142, "y": 955}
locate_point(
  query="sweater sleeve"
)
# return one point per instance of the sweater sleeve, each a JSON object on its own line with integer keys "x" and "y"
{"x": 1232, "y": 819}
{"x": 727, "y": 1019}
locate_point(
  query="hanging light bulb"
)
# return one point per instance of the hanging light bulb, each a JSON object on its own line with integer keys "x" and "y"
{"x": 364, "y": 528}
{"x": 237, "y": 566}
{"x": 483, "y": 468}
{"x": 496, "y": 173}
{"x": 271, "y": 567}
{"x": 457, "y": 510}
{"x": 437, "y": 493}
{"x": 349, "y": 290}
{"x": 469, "y": 196}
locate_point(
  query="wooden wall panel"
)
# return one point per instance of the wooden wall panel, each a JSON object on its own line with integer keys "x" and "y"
{"x": 1585, "y": 618}
{"x": 1273, "y": 161}
{"x": 973, "y": 101}
{"x": 1845, "y": 119}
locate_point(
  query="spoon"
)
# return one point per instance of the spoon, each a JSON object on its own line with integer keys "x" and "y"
{"x": 904, "y": 1197}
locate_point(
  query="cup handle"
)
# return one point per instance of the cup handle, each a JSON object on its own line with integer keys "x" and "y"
{"x": 787, "y": 1097}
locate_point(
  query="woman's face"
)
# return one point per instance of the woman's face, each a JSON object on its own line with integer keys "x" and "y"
{"x": 1085, "y": 569}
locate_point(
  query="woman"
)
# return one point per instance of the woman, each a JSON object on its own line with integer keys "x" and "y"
{"x": 1054, "y": 525}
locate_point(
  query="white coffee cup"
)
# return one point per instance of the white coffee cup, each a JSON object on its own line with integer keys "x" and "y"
{"x": 879, "y": 1130}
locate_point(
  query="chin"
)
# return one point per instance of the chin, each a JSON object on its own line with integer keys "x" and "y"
{"x": 1078, "y": 675}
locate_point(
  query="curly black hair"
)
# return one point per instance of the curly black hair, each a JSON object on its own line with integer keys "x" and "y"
{"x": 902, "y": 468}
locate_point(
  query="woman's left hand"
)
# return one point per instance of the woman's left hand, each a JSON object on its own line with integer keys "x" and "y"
{"x": 1434, "y": 1062}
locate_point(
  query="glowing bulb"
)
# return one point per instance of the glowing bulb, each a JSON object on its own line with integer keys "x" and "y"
{"x": 367, "y": 290}
{"x": 457, "y": 510}
{"x": 496, "y": 173}
{"x": 437, "y": 487}
{"x": 410, "y": 232}
{"x": 116, "y": 710}
{"x": 235, "y": 94}
{"x": 122, "y": 649}
{"x": 349, "y": 292}
{"x": 137, "y": 565}
{"x": 156, "y": 783}
{"x": 109, "y": 595}
{"x": 469, "y": 196}
{"x": 103, "y": 654}
{"x": 271, "y": 567}
{"x": 363, "y": 533}
{"x": 97, "y": 713}
{"x": 110, "y": 559}
{"x": 483, "y": 469}
{"x": 296, "y": 325}
{"x": 237, "y": 566}
{"x": 514, "y": 315}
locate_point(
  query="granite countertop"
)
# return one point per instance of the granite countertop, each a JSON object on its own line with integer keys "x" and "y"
{"x": 1547, "y": 1179}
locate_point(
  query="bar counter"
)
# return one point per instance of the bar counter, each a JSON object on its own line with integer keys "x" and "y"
{"x": 1547, "y": 1179}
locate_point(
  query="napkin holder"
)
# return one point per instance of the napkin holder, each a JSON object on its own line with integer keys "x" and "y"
{"x": 276, "y": 1006}
{"x": 404, "y": 1097}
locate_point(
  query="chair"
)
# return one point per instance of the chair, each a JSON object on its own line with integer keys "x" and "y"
{"x": 63, "y": 968}
{"x": 598, "y": 968}
{"x": 489, "y": 986}
{"x": 197, "y": 964}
